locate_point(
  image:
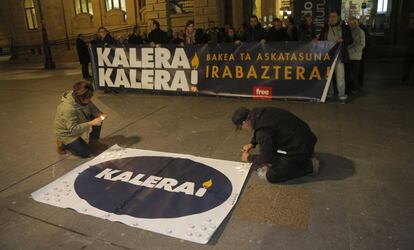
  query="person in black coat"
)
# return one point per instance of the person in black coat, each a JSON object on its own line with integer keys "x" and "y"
{"x": 103, "y": 37}
{"x": 157, "y": 36}
{"x": 135, "y": 37}
{"x": 291, "y": 30}
{"x": 254, "y": 32}
{"x": 230, "y": 36}
{"x": 83, "y": 54}
{"x": 277, "y": 33}
{"x": 286, "y": 142}
{"x": 307, "y": 30}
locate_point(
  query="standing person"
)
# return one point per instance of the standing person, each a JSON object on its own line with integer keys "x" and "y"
{"x": 307, "y": 31}
{"x": 291, "y": 29}
{"x": 339, "y": 32}
{"x": 277, "y": 33}
{"x": 213, "y": 33}
{"x": 286, "y": 143}
{"x": 103, "y": 38}
{"x": 409, "y": 55}
{"x": 255, "y": 32}
{"x": 230, "y": 36}
{"x": 156, "y": 36}
{"x": 176, "y": 39}
{"x": 355, "y": 53}
{"x": 78, "y": 121}
{"x": 364, "y": 51}
{"x": 84, "y": 57}
{"x": 135, "y": 37}
{"x": 189, "y": 33}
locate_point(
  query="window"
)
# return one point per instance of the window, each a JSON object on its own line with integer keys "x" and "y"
{"x": 30, "y": 13}
{"x": 382, "y": 6}
{"x": 115, "y": 4}
{"x": 83, "y": 6}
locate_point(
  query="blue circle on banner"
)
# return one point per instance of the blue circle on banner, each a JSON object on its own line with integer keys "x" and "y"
{"x": 153, "y": 187}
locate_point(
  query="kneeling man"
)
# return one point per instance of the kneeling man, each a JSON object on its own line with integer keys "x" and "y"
{"x": 286, "y": 142}
{"x": 78, "y": 121}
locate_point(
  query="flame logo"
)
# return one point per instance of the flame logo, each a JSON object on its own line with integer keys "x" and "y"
{"x": 207, "y": 184}
{"x": 195, "y": 62}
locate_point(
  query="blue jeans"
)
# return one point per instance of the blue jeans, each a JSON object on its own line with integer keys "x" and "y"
{"x": 80, "y": 148}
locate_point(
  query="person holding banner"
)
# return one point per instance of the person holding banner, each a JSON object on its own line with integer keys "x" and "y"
{"x": 157, "y": 36}
{"x": 277, "y": 33}
{"x": 255, "y": 32}
{"x": 286, "y": 143}
{"x": 339, "y": 32}
{"x": 77, "y": 121}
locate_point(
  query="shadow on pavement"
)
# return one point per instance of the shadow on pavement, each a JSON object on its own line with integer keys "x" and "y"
{"x": 332, "y": 167}
{"x": 121, "y": 140}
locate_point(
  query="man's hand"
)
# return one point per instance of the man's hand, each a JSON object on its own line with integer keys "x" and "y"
{"x": 245, "y": 156}
{"x": 96, "y": 122}
{"x": 247, "y": 147}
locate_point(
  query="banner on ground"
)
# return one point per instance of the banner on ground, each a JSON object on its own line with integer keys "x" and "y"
{"x": 177, "y": 195}
{"x": 293, "y": 70}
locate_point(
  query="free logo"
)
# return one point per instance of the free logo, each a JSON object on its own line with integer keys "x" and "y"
{"x": 260, "y": 92}
{"x": 153, "y": 187}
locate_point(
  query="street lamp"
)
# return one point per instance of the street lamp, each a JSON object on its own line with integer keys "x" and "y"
{"x": 49, "y": 63}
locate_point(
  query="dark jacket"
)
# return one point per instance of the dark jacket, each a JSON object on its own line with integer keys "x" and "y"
{"x": 274, "y": 35}
{"x": 306, "y": 33}
{"x": 158, "y": 36}
{"x": 293, "y": 34}
{"x": 135, "y": 39}
{"x": 279, "y": 133}
{"x": 83, "y": 52}
{"x": 107, "y": 40}
{"x": 255, "y": 34}
{"x": 229, "y": 39}
{"x": 346, "y": 36}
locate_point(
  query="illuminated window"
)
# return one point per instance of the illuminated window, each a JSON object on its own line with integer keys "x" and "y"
{"x": 83, "y": 6}
{"x": 30, "y": 12}
{"x": 382, "y": 6}
{"x": 115, "y": 4}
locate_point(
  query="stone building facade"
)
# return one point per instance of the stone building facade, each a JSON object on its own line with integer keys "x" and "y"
{"x": 65, "y": 19}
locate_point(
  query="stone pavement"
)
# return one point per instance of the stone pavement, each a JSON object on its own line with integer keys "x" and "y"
{"x": 363, "y": 198}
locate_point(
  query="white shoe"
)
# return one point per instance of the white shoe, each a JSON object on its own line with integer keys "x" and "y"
{"x": 315, "y": 165}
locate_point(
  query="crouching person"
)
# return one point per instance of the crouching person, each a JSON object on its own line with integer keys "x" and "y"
{"x": 286, "y": 143}
{"x": 78, "y": 121}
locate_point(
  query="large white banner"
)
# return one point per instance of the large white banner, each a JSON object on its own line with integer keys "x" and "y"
{"x": 178, "y": 195}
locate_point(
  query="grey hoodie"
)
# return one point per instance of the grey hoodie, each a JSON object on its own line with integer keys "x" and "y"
{"x": 71, "y": 120}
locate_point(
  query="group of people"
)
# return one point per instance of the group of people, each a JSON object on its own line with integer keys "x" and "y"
{"x": 348, "y": 72}
{"x": 286, "y": 142}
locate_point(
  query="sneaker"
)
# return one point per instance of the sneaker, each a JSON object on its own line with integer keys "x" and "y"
{"x": 315, "y": 166}
{"x": 343, "y": 99}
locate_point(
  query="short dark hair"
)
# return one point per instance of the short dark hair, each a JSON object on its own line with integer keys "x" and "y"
{"x": 156, "y": 23}
{"x": 102, "y": 28}
{"x": 255, "y": 17}
{"x": 83, "y": 90}
{"x": 189, "y": 22}
{"x": 277, "y": 20}
{"x": 335, "y": 11}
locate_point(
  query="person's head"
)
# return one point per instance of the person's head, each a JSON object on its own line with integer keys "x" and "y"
{"x": 239, "y": 119}
{"x": 80, "y": 37}
{"x": 333, "y": 18}
{"x": 175, "y": 34}
{"x": 308, "y": 19}
{"x": 226, "y": 28}
{"x": 136, "y": 31}
{"x": 211, "y": 24}
{"x": 83, "y": 92}
{"x": 189, "y": 27}
{"x": 290, "y": 23}
{"x": 254, "y": 21}
{"x": 154, "y": 24}
{"x": 231, "y": 32}
{"x": 353, "y": 22}
{"x": 277, "y": 23}
{"x": 102, "y": 31}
